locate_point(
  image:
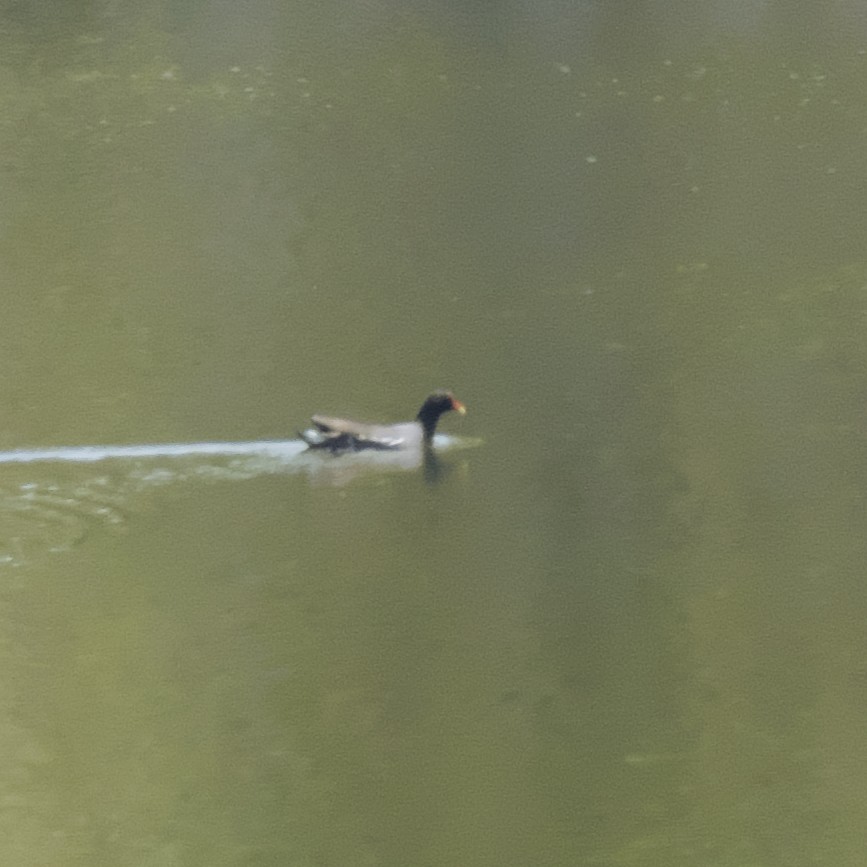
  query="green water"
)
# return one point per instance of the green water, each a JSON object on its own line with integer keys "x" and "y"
{"x": 627, "y": 629}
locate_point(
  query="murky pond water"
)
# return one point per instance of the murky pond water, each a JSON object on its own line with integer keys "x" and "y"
{"x": 623, "y": 625}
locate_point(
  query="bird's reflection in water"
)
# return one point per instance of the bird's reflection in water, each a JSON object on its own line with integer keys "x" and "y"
{"x": 340, "y": 470}
{"x": 433, "y": 468}
{"x": 435, "y": 464}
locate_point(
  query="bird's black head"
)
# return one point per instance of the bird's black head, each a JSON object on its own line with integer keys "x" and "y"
{"x": 434, "y": 406}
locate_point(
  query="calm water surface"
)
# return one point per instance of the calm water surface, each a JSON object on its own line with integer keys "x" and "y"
{"x": 627, "y": 628}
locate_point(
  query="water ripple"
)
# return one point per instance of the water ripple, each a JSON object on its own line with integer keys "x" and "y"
{"x": 42, "y": 515}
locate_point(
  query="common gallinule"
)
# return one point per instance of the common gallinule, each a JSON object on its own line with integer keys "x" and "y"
{"x": 343, "y": 435}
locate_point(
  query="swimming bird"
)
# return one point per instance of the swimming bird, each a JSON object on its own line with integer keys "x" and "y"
{"x": 344, "y": 435}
